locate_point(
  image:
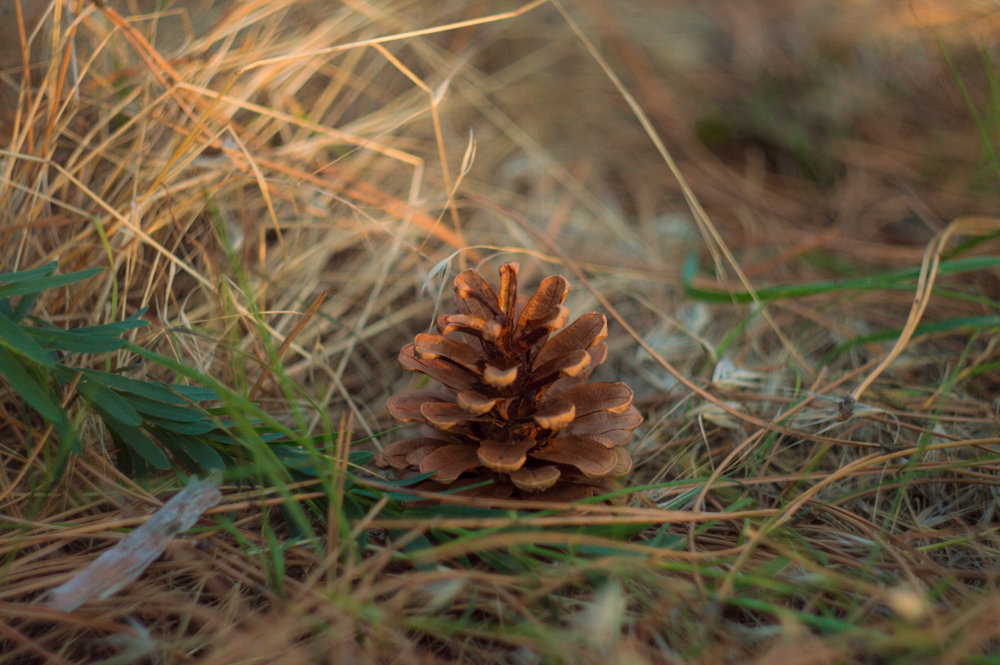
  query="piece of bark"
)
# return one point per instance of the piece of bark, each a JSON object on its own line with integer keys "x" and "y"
{"x": 125, "y": 561}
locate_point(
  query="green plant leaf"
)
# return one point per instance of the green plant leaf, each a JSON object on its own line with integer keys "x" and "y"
{"x": 135, "y": 439}
{"x": 38, "y": 397}
{"x": 87, "y": 339}
{"x": 360, "y": 457}
{"x": 73, "y": 341}
{"x": 25, "y": 275}
{"x": 165, "y": 410}
{"x": 17, "y": 284}
{"x": 195, "y": 393}
{"x": 199, "y": 427}
{"x": 15, "y": 338}
{"x": 24, "y": 305}
{"x": 448, "y": 510}
{"x": 117, "y": 327}
{"x": 296, "y": 458}
{"x": 161, "y": 392}
{"x": 192, "y": 450}
{"x": 110, "y": 402}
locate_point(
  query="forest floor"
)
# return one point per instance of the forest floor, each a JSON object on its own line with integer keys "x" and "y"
{"x": 786, "y": 210}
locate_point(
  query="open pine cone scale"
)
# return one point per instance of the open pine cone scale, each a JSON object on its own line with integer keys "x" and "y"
{"x": 514, "y": 406}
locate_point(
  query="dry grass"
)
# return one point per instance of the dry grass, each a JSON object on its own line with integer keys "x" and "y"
{"x": 289, "y": 186}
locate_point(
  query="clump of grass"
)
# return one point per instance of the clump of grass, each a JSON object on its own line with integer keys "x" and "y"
{"x": 282, "y": 191}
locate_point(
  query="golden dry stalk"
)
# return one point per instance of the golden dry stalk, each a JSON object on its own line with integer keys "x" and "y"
{"x": 514, "y": 406}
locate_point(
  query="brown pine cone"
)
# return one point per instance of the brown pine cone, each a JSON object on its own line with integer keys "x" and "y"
{"x": 514, "y": 407}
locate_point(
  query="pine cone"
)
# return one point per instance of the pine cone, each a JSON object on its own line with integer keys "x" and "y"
{"x": 514, "y": 406}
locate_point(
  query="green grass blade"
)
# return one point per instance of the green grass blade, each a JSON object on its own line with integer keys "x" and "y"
{"x": 873, "y": 282}
{"x": 980, "y": 125}
{"x": 987, "y": 322}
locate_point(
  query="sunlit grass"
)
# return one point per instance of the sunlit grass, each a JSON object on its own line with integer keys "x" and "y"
{"x": 255, "y": 205}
